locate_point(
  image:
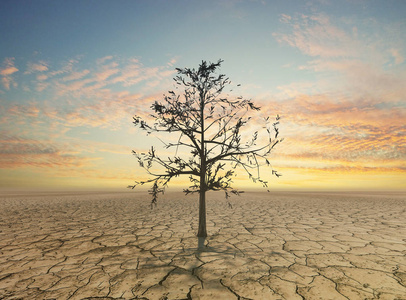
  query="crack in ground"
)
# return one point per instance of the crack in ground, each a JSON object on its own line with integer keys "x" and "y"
{"x": 232, "y": 291}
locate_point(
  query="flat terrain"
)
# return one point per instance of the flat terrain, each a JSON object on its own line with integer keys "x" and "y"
{"x": 266, "y": 246}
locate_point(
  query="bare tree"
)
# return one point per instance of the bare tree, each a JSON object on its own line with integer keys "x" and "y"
{"x": 208, "y": 125}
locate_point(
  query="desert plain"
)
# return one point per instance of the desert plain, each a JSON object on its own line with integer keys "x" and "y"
{"x": 275, "y": 245}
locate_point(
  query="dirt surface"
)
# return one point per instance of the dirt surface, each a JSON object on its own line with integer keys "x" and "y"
{"x": 267, "y": 246}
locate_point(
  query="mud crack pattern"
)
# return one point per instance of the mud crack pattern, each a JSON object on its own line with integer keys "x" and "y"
{"x": 268, "y": 246}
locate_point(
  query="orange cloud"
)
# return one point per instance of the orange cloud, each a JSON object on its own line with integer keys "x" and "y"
{"x": 107, "y": 71}
{"x": 20, "y": 153}
{"x": 314, "y": 35}
{"x": 102, "y": 60}
{"x": 76, "y": 75}
{"x": 336, "y": 134}
{"x": 397, "y": 56}
{"x": 330, "y": 132}
{"x": 7, "y": 71}
{"x": 41, "y": 66}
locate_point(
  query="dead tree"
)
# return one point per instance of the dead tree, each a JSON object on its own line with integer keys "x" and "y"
{"x": 209, "y": 126}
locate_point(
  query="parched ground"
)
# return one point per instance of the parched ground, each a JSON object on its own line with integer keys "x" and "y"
{"x": 267, "y": 246}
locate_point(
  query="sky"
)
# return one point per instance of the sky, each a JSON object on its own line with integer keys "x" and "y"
{"x": 74, "y": 73}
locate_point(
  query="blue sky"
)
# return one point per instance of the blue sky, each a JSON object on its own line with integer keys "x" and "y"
{"x": 73, "y": 73}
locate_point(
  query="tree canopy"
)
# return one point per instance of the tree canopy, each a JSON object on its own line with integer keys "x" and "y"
{"x": 208, "y": 125}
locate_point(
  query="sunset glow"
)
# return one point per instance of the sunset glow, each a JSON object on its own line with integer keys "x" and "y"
{"x": 74, "y": 73}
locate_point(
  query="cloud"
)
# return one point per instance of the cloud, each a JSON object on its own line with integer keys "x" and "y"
{"x": 173, "y": 61}
{"x": 18, "y": 146}
{"x": 42, "y": 86}
{"x": 336, "y": 127}
{"x": 285, "y": 18}
{"x": 93, "y": 147}
{"x": 134, "y": 73}
{"x": 7, "y": 82}
{"x": 41, "y": 66}
{"x": 397, "y": 56}
{"x": 347, "y": 170}
{"x": 72, "y": 157}
{"x": 7, "y": 71}
{"x": 315, "y": 36}
{"x": 66, "y": 68}
{"x": 9, "y": 68}
{"x": 342, "y": 44}
{"x": 354, "y": 113}
{"x": 102, "y": 60}
{"x": 17, "y": 152}
{"x": 331, "y": 128}
{"x": 107, "y": 72}
{"x": 350, "y": 125}
{"x": 76, "y": 75}
{"x": 42, "y": 77}
{"x": 28, "y": 110}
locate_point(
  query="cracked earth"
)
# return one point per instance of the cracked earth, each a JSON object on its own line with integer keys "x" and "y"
{"x": 267, "y": 246}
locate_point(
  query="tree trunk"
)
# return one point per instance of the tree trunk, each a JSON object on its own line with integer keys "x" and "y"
{"x": 203, "y": 168}
{"x": 202, "y": 215}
